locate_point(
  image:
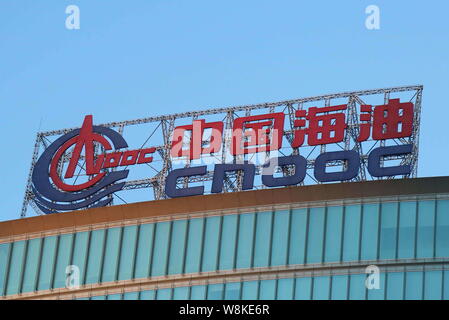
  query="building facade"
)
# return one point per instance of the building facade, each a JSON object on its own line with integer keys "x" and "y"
{"x": 304, "y": 242}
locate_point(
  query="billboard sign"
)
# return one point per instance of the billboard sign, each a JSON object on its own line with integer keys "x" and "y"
{"x": 354, "y": 136}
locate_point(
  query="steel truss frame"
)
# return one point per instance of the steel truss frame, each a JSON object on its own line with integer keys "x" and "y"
{"x": 233, "y": 181}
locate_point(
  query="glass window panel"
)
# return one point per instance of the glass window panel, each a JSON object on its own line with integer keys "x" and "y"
{"x": 321, "y": 288}
{"x": 285, "y": 289}
{"x": 47, "y": 263}
{"x": 378, "y": 294}
{"x": 245, "y": 240}
{"x": 131, "y": 296}
{"x": 80, "y": 253}
{"x": 407, "y": 229}
{"x": 95, "y": 256}
{"x": 228, "y": 242}
{"x": 395, "y": 286}
{"x": 16, "y": 267}
{"x": 32, "y": 264}
{"x": 160, "y": 252}
{"x": 357, "y": 288}
{"x": 263, "y": 237}
{"x": 111, "y": 254}
{"x": 298, "y": 236}
{"x": 144, "y": 248}
{"x": 426, "y": 229}
{"x": 212, "y": 235}
{"x": 117, "y": 296}
{"x": 177, "y": 247}
{"x": 198, "y": 293}
{"x": 194, "y": 245}
{"x": 442, "y": 229}
{"x": 339, "y": 287}
{"x": 215, "y": 291}
{"x": 280, "y": 238}
{"x": 250, "y": 290}
{"x": 63, "y": 259}
{"x": 4, "y": 253}
{"x": 83, "y": 298}
{"x": 164, "y": 294}
{"x": 303, "y": 288}
{"x": 316, "y": 235}
{"x": 370, "y": 231}
{"x": 267, "y": 290}
{"x": 98, "y": 298}
{"x": 388, "y": 231}
{"x": 127, "y": 253}
{"x": 413, "y": 285}
{"x": 232, "y": 291}
{"x": 181, "y": 293}
{"x": 351, "y": 233}
{"x": 147, "y": 295}
{"x": 433, "y": 285}
{"x": 333, "y": 234}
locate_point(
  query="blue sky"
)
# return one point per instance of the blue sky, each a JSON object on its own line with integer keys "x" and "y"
{"x": 147, "y": 57}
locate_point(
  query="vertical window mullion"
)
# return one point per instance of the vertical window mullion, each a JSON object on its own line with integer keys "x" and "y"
{"x": 288, "y": 238}
{"x": 207, "y": 291}
{"x": 186, "y": 240}
{"x": 41, "y": 241}
{"x": 404, "y": 287}
{"x": 39, "y": 262}
{"x": 343, "y": 220}
{"x": 153, "y": 244}
{"x": 72, "y": 249}
{"x": 276, "y": 285}
{"x": 24, "y": 260}
{"x": 167, "y": 258}
{"x": 120, "y": 244}
{"x": 379, "y": 229}
{"x": 8, "y": 265}
{"x": 86, "y": 258}
{"x": 435, "y": 217}
{"x": 253, "y": 245}
{"x": 170, "y": 236}
{"x": 55, "y": 261}
{"x": 348, "y": 288}
{"x": 103, "y": 253}
{"x": 415, "y": 249}
{"x": 189, "y": 292}
{"x": 223, "y": 291}
{"x": 136, "y": 244}
{"x": 220, "y": 228}
{"x": 294, "y": 287}
{"x": 306, "y": 243}
{"x": 237, "y": 235}
{"x": 312, "y": 284}
{"x": 203, "y": 234}
{"x": 258, "y": 289}
{"x": 270, "y": 250}
{"x": 442, "y": 282}
{"x": 241, "y": 290}
{"x": 398, "y": 223}
{"x": 359, "y": 257}
{"x": 323, "y": 249}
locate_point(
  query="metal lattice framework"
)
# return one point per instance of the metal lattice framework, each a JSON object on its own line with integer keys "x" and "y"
{"x": 163, "y": 126}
